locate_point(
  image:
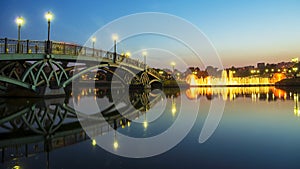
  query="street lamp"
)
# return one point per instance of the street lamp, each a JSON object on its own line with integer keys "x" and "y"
{"x": 173, "y": 66}
{"x": 127, "y": 54}
{"x": 295, "y": 69}
{"x": 115, "y": 38}
{"x": 144, "y": 55}
{"x": 49, "y": 17}
{"x": 93, "y": 40}
{"x": 20, "y": 22}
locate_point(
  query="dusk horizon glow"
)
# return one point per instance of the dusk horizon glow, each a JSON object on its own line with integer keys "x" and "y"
{"x": 158, "y": 84}
{"x": 243, "y": 33}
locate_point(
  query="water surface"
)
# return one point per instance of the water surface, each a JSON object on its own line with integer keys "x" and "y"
{"x": 259, "y": 129}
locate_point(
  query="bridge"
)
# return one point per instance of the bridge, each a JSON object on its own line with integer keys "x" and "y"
{"x": 42, "y": 69}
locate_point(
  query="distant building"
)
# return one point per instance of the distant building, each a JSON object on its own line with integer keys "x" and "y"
{"x": 295, "y": 60}
{"x": 248, "y": 67}
{"x": 261, "y": 65}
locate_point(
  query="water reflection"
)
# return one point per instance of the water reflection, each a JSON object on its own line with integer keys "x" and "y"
{"x": 254, "y": 93}
{"x": 296, "y": 105}
{"x": 31, "y": 127}
{"x": 34, "y": 127}
{"x": 135, "y": 108}
{"x": 174, "y": 109}
{"x": 231, "y": 93}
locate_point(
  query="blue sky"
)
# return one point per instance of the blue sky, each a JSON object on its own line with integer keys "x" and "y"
{"x": 243, "y": 32}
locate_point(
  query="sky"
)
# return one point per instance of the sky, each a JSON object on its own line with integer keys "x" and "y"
{"x": 243, "y": 32}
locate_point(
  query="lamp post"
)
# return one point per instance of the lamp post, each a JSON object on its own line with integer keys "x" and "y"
{"x": 115, "y": 38}
{"x": 145, "y": 64}
{"x": 93, "y": 40}
{"x": 19, "y": 22}
{"x": 49, "y": 17}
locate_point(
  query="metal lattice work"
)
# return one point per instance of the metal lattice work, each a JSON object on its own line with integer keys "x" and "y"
{"x": 45, "y": 120}
{"x": 40, "y": 66}
{"x": 129, "y": 77}
{"x": 144, "y": 79}
{"x": 30, "y": 76}
{"x": 11, "y": 71}
{"x": 45, "y": 72}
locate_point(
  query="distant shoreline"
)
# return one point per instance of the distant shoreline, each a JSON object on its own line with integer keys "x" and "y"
{"x": 173, "y": 83}
{"x": 294, "y": 82}
{"x": 240, "y": 85}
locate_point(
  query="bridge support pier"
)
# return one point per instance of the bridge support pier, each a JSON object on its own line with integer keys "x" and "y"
{"x": 48, "y": 92}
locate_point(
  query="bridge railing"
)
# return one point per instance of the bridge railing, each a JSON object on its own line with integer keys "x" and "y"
{"x": 24, "y": 46}
{"x": 130, "y": 61}
{"x": 155, "y": 73}
{"x": 64, "y": 48}
{"x": 13, "y": 46}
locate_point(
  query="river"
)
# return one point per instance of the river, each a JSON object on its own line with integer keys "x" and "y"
{"x": 235, "y": 127}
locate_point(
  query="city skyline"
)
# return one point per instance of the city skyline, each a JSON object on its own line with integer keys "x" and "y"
{"x": 243, "y": 33}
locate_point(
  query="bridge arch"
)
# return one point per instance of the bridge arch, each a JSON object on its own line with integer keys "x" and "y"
{"x": 16, "y": 82}
{"x": 44, "y": 71}
{"x": 101, "y": 66}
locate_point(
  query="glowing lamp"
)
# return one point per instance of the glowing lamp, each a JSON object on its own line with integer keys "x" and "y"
{"x": 115, "y": 37}
{"x": 49, "y": 16}
{"x": 144, "y": 53}
{"x": 20, "y": 21}
{"x": 128, "y": 54}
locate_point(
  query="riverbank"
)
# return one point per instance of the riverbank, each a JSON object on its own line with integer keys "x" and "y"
{"x": 294, "y": 82}
{"x": 174, "y": 83}
{"x": 234, "y": 85}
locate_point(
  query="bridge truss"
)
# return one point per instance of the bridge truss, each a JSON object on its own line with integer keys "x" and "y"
{"x": 39, "y": 72}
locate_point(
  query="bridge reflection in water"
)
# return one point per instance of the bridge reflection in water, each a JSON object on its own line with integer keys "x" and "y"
{"x": 32, "y": 126}
{"x": 29, "y": 127}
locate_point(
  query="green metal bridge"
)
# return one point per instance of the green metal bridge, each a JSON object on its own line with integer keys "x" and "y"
{"x": 39, "y": 70}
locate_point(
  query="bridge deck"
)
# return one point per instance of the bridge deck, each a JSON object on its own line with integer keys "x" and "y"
{"x": 50, "y": 65}
{"x": 36, "y": 50}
